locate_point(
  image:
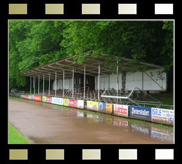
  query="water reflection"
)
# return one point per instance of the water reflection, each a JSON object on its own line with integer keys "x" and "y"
{"x": 163, "y": 133}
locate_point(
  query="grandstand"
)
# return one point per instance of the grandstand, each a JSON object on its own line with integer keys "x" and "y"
{"x": 93, "y": 80}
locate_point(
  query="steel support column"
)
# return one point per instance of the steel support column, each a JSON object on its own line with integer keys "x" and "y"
{"x": 30, "y": 85}
{"x": 108, "y": 81}
{"x": 117, "y": 80}
{"x": 34, "y": 84}
{"x": 38, "y": 83}
{"x": 63, "y": 83}
{"x": 49, "y": 84}
{"x": 55, "y": 83}
{"x": 84, "y": 82}
{"x": 73, "y": 83}
{"x": 43, "y": 84}
{"x": 99, "y": 81}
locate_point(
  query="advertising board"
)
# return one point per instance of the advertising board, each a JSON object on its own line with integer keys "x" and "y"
{"x": 22, "y": 96}
{"x": 164, "y": 116}
{"x": 108, "y": 107}
{"x": 102, "y": 106}
{"x": 73, "y": 103}
{"x": 93, "y": 105}
{"x": 44, "y": 98}
{"x": 56, "y": 100}
{"x": 143, "y": 113}
{"x": 49, "y": 99}
{"x": 121, "y": 110}
{"x": 29, "y": 97}
{"x": 66, "y": 102}
{"x": 80, "y": 104}
{"x": 26, "y": 96}
{"x": 32, "y": 97}
{"x": 37, "y": 98}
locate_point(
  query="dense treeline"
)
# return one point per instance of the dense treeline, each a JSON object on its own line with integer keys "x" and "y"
{"x": 34, "y": 43}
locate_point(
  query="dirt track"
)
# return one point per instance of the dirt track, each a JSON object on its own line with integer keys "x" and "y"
{"x": 42, "y": 123}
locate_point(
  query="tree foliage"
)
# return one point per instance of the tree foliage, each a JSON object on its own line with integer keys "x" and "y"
{"x": 34, "y": 43}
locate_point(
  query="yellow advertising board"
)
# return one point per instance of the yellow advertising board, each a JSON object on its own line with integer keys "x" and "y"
{"x": 109, "y": 107}
{"x": 44, "y": 98}
{"x": 66, "y": 102}
{"x": 93, "y": 105}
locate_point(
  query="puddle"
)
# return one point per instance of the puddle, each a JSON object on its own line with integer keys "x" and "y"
{"x": 160, "y": 132}
{"x": 56, "y": 124}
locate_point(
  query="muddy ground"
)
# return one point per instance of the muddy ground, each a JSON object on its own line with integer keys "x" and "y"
{"x": 43, "y": 123}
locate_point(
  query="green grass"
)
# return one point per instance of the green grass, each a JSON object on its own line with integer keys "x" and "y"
{"x": 15, "y": 137}
{"x": 165, "y": 98}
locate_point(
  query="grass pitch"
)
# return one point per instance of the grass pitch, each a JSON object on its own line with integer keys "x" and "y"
{"x": 15, "y": 137}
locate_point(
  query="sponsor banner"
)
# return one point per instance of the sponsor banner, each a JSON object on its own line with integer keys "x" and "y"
{"x": 143, "y": 113}
{"x": 44, "y": 98}
{"x": 164, "y": 116}
{"x": 102, "y": 106}
{"x": 93, "y": 105}
{"x": 32, "y": 97}
{"x": 121, "y": 110}
{"x": 73, "y": 103}
{"x": 22, "y": 96}
{"x": 37, "y": 98}
{"x": 108, "y": 107}
{"x": 66, "y": 102}
{"x": 49, "y": 99}
{"x": 26, "y": 96}
{"x": 80, "y": 104}
{"x": 56, "y": 100}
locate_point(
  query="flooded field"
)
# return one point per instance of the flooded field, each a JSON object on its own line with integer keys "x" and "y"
{"x": 51, "y": 124}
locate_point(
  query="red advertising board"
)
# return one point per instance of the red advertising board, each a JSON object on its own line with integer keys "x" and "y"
{"x": 26, "y": 96}
{"x": 121, "y": 110}
{"x": 37, "y": 98}
{"x": 73, "y": 103}
{"x": 49, "y": 99}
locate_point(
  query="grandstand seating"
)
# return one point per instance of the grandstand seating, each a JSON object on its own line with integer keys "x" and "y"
{"x": 90, "y": 95}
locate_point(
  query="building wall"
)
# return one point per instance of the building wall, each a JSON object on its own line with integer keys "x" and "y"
{"x": 137, "y": 79}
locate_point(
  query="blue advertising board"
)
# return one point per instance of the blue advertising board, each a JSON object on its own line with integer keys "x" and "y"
{"x": 143, "y": 113}
{"x": 22, "y": 96}
{"x": 102, "y": 106}
{"x": 32, "y": 97}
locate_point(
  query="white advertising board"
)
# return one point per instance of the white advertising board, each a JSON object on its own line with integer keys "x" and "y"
{"x": 56, "y": 100}
{"x": 160, "y": 115}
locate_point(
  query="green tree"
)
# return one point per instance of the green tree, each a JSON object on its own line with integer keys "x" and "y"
{"x": 32, "y": 43}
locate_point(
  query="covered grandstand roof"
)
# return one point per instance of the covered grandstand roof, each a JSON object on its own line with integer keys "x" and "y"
{"x": 90, "y": 63}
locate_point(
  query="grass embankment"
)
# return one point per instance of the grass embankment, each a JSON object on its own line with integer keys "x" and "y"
{"x": 165, "y": 98}
{"x": 15, "y": 137}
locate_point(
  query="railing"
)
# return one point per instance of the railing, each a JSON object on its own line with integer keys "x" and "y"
{"x": 129, "y": 98}
{"x": 16, "y": 92}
